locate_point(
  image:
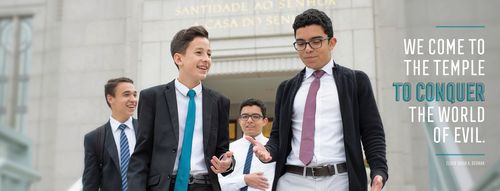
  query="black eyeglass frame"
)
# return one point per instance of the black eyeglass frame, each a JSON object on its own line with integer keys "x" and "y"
{"x": 254, "y": 117}
{"x": 314, "y": 40}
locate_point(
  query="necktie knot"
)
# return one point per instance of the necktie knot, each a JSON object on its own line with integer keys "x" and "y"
{"x": 191, "y": 93}
{"x": 122, "y": 127}
{"x": 318, "y": 73}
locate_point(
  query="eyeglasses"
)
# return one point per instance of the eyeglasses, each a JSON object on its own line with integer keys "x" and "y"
{"x": 314, "y": 43}
{"x": 254, "y": 117}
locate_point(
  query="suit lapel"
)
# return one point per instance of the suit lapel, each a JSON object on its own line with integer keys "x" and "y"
{"x": 292, "y": 89}
{"x": 172, "y": 108}
{"x": 296, "y": 83}
{"x": 134, "y": 123}
{"x": 340, "y": 81}
{"x": 207, "y": 104}
{"x": 111, "y": 146}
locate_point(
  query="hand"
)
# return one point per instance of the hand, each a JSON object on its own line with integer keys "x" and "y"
{"x": 259, "y": 150}
{"x": 256, "y": 180}
{"x": 377, "y": 183}
{"x": 220, "y": 166}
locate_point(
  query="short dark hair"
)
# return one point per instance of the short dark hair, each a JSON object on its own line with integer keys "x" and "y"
{"x": 252, "y": 102}
{"x": 109, "y": 88}
{"x": 311, "y": 17}
{"x": 182, "y": 39}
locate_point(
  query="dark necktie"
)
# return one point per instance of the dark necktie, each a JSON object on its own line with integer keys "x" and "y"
{"x": 248, "y": 164}
{"x": 184, "y": 166}
{"x": 309, "y": 120}
{"x": 124, "y": 156}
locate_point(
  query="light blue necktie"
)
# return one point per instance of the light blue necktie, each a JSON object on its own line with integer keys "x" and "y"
{"x": 248, "y": 164}
{"x": 184, "y": 167}
{"x": 124, "y": 156}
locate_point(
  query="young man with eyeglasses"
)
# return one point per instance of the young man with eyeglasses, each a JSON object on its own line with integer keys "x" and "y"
{"x": 249, "y": 173}
{"x": 324, "y": 116}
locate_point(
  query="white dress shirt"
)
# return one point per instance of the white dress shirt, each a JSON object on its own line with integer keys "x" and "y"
{"x": 198, "y": 165}
{"x": 129, "y": 132}
{"x": 328, "y": 135}
{"x": 235, "y": 180}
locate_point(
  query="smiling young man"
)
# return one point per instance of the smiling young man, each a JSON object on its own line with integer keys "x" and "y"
{"x": 184, "y": 142}
{"x": 249, "y": 173}
{"x": 324, "y": 116}
{"x": 108, "y": 148}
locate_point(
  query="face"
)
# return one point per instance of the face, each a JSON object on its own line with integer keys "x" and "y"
{"x": 195, "y": 62}
{"x": 315, "y": 58}
{"x": 252, "y": 127}
{"x": 124, "y": 103}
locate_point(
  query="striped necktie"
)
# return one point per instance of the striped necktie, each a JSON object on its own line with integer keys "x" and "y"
{"x": 184, "y": 166}
{"x": 124, "y": 156}
{"x": 248, "y": 164}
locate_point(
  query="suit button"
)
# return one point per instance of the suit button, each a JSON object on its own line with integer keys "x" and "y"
{"x": 174, "y": 150}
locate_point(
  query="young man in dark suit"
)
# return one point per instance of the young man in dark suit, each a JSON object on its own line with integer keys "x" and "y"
{"x": 322, "y": 116}
{"x": 183, "y": 141}
{"x": 108, "y": 148}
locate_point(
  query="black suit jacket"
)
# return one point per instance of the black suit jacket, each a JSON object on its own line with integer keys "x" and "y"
{"x": 110, "y": 175}
{"x": 361, "y": 123}
{"x": 152, "y": 164}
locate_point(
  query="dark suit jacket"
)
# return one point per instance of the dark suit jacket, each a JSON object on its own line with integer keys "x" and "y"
{"x": 152, "y": 164}
{"x": 360, "y": 119}
{"x": 110, "y": 175}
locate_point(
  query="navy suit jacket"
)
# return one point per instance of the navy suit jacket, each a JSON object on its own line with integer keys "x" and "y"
{"x": 110, "y": 176}
{"x": 360, "y": 119}
{"x": 152, "y": 163}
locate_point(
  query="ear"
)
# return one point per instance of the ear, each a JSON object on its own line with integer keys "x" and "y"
{"x": 265, "y": 121}
{"x": 110, "y": 99}
{"x": 178, "y": 59}
{"x": 333, "y": 42}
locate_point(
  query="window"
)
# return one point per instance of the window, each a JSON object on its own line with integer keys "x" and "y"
{"x": 15, "y": 60}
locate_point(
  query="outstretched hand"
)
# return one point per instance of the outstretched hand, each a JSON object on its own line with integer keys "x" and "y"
{"x": 223, "y": 164}
{"x": 260, "y": 151}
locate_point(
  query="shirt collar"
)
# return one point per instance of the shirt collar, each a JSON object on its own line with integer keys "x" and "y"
{"x": 115, "y": 123}
{"x": 184, "y": 89}
{"x": 327, "y": 68}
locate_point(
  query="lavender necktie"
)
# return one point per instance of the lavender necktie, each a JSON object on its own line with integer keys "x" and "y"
{"x": 308, "y": 122}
